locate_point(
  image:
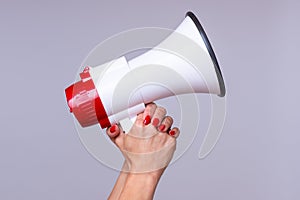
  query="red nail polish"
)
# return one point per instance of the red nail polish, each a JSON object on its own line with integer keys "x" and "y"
{"x": 155, "y": 122}
{"x": 172, "y": 133}
{"x": 147, "y": 120}
{"x": 113, "y": 128}
{"x": 161, "y": 127}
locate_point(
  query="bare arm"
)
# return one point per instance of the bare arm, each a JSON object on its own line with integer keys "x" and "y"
{"x": 119, "y": 186}
{"x": 139, "y": 187}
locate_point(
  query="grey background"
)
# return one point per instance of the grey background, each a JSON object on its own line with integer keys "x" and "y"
{"x": 43, "y": 44}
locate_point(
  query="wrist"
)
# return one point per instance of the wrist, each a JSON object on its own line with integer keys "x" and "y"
{"x": 144, "y": 183}
{"x": 149, "y": 178}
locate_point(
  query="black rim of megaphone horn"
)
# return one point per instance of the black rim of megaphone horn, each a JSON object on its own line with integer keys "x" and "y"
{"x": 210, "y": 51}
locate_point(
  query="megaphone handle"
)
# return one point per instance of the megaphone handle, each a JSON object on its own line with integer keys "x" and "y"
{"x": 127, "y": 123}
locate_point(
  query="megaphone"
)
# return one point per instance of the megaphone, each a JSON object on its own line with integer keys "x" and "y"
{"x": 182, "y": 63}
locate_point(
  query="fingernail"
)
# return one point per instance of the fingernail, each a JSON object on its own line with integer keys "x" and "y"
{"x": 113, "y": 128}
{"x": 172, "y": 133}
{"x": 147, "y": 120}
{"x": 155, "y": 122}
{"x": 161, "y": 127}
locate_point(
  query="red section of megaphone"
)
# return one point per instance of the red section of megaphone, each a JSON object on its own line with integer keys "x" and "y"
{"x": 85, "y": 103}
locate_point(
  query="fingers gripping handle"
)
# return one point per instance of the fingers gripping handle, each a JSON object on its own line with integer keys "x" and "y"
{"x": 127, "y": 117}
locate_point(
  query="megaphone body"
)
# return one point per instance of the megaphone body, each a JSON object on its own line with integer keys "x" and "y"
{"x": 183, "y": 63}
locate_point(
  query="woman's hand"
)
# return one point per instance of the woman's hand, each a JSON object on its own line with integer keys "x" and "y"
{"x": 148, "y": 149}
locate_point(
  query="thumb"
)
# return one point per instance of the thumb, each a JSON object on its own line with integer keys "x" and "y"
{"x": 113, "y": 132}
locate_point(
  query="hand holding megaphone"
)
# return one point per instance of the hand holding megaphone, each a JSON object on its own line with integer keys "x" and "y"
{"x": 150, "y": 144}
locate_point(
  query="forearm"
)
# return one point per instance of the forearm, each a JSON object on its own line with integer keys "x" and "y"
{"x": 119, "y": 185}
{"x": 139, "y": 186}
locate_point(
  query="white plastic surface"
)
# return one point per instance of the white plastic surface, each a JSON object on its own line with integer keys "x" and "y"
{"x": 178, "y": 65}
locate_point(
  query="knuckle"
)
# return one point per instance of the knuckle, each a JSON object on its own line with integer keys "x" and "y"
{"x": 150, "y": 108}
{"x": 168, "y": 120}
{"x": 171, "y": 141}
{"x": 151, "y": 105}
{"x": 161, "y": 110}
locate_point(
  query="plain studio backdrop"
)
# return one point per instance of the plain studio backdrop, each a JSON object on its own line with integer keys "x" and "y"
{"x": 43, "y": 44}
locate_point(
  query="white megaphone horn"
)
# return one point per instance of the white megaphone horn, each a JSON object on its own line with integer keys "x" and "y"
{"x": 119, "y": 89}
